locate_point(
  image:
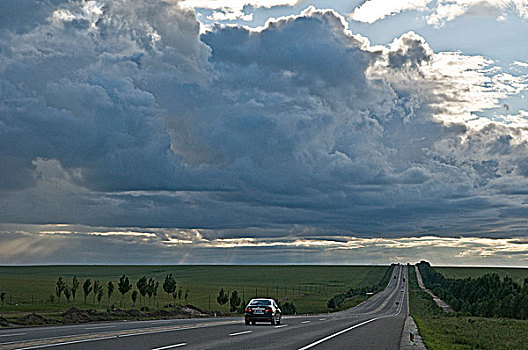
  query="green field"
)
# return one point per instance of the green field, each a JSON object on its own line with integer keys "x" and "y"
{"x": 308, "y": 287}
{"x": 517, "y": 274}
{"x": 442, "y": 331}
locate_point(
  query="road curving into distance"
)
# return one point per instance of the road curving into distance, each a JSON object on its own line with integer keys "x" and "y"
{"x": 376, "y": 324}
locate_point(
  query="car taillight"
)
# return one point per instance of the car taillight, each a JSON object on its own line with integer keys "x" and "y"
{"x": 247, "y": 310}
{"x": 269, "y": 309}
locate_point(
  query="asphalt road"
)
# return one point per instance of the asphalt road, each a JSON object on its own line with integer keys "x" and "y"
{"x": 375, "y": 324}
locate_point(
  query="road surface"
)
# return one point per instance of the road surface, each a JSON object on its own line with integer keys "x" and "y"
{"x": 375, "y": 324}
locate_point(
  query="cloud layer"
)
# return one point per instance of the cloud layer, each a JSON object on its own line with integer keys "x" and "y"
{"x": 440, "y": 11}
{"x": 120, "y": 114}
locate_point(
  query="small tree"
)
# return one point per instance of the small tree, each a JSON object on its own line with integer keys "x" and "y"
{"x": 59, "y": 288}
{"x": 75, "y": 286}
{"x": 87, "y": 289}
{"x": 234, "y": 301}
{"x": 169, "y": 286}
{"x": 134, "y": 298}
{"x": 155, "y": 292}
{"x": 124, "y": 286}
{"x": 142, "y": 286}
{"x": 174, "y": 295}
{"x": 100, "y": 293}
{"x": 150, "y": 288}
{"x": 179, "y": 293}
{"x": 95, "y": 290}
{"x": 67, "y": 293}
{"x": 2, "y": 297}
{"x": 109, "y": 290}
{"x": 222, "y": 297}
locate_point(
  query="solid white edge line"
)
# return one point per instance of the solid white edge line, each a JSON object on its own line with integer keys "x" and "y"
{"x": 170, "y": 346}
{"x": 336, "y": 334}
{"x": 11, "y": 335}
{"x": 66, "y": 343}
{"x": 239, "y": 333}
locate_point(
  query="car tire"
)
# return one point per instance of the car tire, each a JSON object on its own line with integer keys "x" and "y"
{"x": 279, "y": 321}
{"x": 247, "y": 323}
{"x": 252, "y": 322}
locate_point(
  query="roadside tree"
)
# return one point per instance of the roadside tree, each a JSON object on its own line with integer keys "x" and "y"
{"x": 87, "y": 289}
{"x": 124, "y": 286}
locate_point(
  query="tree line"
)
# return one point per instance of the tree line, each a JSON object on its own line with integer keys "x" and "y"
{"x": 486, "y": 296}
{"x": 144, "y": 288}
{"x": 339, "y": 299}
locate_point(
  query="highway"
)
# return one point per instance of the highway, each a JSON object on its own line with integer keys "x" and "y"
{"x": 377, "y": 324}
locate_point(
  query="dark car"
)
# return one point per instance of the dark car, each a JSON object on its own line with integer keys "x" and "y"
{"x": 262, "y": 310}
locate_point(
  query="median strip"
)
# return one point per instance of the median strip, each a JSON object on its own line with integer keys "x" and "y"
{"x": 66, "y": 343}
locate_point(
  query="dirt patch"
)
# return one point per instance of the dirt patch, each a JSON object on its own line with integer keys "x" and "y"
{"x": 31, "y": 319}
{"x": 75, "y": 315}
{"x": 135, "y": 313}
{"x": 193, "y": 311}
{"x": 3, "y": 322}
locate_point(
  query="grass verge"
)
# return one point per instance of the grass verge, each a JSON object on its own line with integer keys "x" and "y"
{"x": 442, "y": 331}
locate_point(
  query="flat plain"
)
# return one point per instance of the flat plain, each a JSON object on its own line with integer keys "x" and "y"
{"x": 310, "y": 287}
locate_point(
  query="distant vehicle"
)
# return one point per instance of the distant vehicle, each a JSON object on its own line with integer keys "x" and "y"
{"x": 262, "y": 310}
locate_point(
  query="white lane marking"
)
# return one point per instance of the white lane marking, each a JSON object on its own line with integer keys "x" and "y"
{"x": 306, "y": 321}
{"x": 281, "y": 325}
{"x": 100, "y": 327}
{"x": 66, "y": 343}
{"x": 11, "y": 335}
{"x": 336, "y": 334}
{"x": 239, "y": 333}
{"x": 170, "y": 346}
{"x": 322, "y": 319}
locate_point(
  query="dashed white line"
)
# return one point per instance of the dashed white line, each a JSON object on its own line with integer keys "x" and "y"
{"x": 281, "y": 325}
{"x": 336, "y": 334}
{"x": 65, "y": 343}
{"x": 322, "y": 319}
{"x": 170, "y": 346}
{"x": 306, "y": 321}
{"x": 239, "y": 333}
{"x": 100, "y": 327}
{"x": 11, "y": 335}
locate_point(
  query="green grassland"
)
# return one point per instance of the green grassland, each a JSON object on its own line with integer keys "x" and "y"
{"x": 442, "y": 331}
{"x": 28, "y": 288}
{"x": 517, "y": 274}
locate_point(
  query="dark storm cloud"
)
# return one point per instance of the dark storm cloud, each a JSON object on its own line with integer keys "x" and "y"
{"x": 120, "y": 114}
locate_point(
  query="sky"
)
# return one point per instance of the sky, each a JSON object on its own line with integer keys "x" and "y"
{"x": 264, "y": 132}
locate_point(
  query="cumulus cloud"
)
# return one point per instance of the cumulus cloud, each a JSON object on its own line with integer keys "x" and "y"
{"x": 441, "y": 11}
{"x": 235, "y": 9}
{"x": 120, "y": 114}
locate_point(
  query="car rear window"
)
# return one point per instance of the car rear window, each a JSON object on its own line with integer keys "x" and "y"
{"x": 260, "y": 302}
